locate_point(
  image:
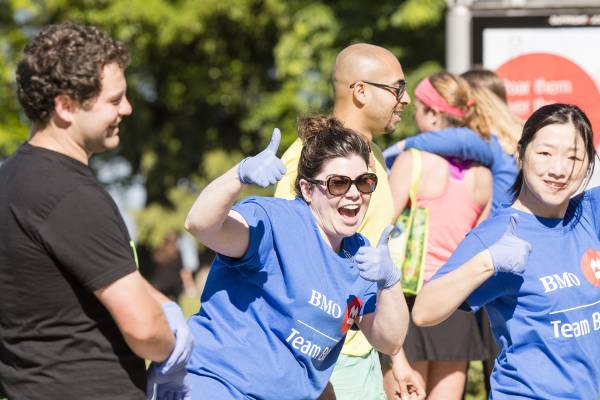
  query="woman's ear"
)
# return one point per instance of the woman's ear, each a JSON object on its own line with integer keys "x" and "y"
{"x": 434, "y": 116}
{"x": 306, "y": 188}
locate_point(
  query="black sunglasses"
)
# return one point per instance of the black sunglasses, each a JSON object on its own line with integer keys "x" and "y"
{"x": 338, "y": 185}
{"x": 398, "y": 91}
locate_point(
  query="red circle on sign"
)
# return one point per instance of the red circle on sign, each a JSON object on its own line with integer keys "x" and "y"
{"x": 590, "y": 266}
{"x": 535, "y": 79}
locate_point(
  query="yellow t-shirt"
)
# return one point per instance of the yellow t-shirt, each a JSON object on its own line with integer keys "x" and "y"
{"x": 378, "y": 216}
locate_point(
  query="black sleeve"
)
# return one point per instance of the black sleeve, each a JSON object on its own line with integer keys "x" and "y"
{"x": 88, "y": 238}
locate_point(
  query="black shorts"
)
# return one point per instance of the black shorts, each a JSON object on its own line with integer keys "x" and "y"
{"x": 456, "y": 339}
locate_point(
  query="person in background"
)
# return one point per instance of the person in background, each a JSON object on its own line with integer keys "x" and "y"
{"x": 457, "y": 196}
{"x": 168, "y": 267}
{"x": 496, "y": 152}
{"x": 514, "y": 264}
{"x": 191, "y": 262}
{"x": 291, "y": 277}
{"x": 77, "y": 319}
{"x": 369, "y": 92}
{"x": 175, "y": 260}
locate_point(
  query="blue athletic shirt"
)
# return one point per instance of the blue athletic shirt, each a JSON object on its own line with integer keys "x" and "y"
{"x": 464, "y": 144}
{"x": 547, "y": 321}
{"x": 272, "y": 323}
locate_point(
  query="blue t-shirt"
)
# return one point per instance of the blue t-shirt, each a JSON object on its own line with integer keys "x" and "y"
{"x": 464, "y": 144}
{"x": 546, "y": 321}
{"x": 273, "y": 322}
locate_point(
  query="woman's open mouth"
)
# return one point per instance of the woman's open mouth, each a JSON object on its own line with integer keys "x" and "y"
{"x": 349, "y": 211}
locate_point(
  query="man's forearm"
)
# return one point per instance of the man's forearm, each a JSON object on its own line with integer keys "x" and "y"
{"x": 156, "y": 295}
{"x": 139, "y": 316}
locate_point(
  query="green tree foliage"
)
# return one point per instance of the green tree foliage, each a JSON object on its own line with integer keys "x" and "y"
{"x": 13, "y": 127}
{"x": 211, "y": 78}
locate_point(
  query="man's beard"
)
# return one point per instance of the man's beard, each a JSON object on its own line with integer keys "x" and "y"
{"x": 390, "y": 127}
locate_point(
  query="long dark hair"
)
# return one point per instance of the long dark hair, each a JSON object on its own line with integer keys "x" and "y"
{"x": 557, "y": 113}
{"x": 325, "y": 138}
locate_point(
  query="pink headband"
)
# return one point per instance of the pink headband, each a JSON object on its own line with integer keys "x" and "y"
{"x": 429, "y": 96}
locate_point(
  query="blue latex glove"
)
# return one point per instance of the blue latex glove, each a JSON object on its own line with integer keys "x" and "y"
{"x": 391, "y": 153}
{"x": 375, "y": 264}
{"x": 264, "y": 169}
{"x": 173, "y": 389}
{"x": 509, "y": 253}
{"x": 171, "y": 371}
{"x": 183, "y": 339}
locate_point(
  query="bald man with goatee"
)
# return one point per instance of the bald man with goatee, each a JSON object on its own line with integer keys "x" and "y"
{"x": 369, "y": 92}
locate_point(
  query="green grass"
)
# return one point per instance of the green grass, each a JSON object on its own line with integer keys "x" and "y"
{"x": 475, "y": 386}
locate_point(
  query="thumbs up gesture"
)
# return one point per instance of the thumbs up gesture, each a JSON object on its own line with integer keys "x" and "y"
{"x": 509, "y": 253}
{"x": 264, "y": 169}
{"x": 375, "y": 264}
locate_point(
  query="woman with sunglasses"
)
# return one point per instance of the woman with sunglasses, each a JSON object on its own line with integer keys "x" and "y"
{"x": 534, "y": 267}
{"x": 291, "y": 277}
{"x": 457, "y": 196}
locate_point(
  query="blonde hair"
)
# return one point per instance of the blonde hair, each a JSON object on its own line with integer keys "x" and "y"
{"x": 487, "y": 79}
{"x": 457, "y": 93}
{"x": 503, "y": 123}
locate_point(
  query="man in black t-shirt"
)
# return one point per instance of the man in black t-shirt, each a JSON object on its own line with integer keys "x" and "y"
{"x": 76, "y": 317}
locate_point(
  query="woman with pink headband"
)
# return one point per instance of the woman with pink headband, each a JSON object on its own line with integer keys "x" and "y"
{"x": 497, "y": 153}
{"x": 457, "y": 196}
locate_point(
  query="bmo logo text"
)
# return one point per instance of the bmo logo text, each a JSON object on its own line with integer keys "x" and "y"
{"x": 590, "y": 266}
{"x": 319, "y": 300}
{"x": 555, "y": 281}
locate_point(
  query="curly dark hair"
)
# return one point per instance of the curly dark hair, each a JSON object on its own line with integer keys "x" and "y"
{"x": 65, "y": 59}
{"x": 324, "y": 138}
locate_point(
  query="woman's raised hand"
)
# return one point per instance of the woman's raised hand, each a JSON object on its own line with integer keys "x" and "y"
{"x": 375, "y": 263}
{"x": 510, "y": 253}
{"x": 264, "y": 169}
